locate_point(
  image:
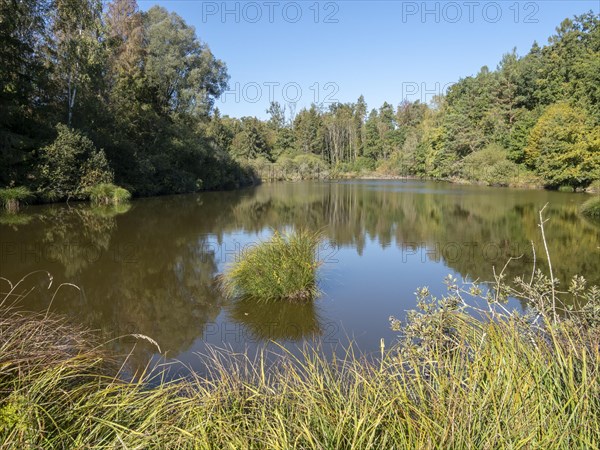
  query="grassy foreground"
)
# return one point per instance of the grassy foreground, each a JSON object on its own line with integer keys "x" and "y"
{"x": 453, "y": 382}
{"x": 505, "y": 380}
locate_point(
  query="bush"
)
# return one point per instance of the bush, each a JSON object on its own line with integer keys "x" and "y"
{"x": 490, "y": 166}
{"x": 282, "y": 268}
{"x": 11, "y": 198}
{"x": 565, "y": 188}
{"x": 591, "y": 208}
{"x": 293, "y": 166}
{"x": 564, "y": 146}
{"x": 71, "y": 165}
{"x": 108, "y": 194}
{"x": 594, "y": 187}
{"x": 361, "y": 164}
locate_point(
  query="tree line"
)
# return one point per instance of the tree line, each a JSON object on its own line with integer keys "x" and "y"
{"x": 94, "y": 94}
{"x": 534, "y": 120}
{"x": 98, "y": 93}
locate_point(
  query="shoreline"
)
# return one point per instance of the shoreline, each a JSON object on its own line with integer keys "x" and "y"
{"x": 592, "y": 190}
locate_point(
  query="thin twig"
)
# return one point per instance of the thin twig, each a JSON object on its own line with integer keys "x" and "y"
{"x": 541, "y": 225}
{"x": 534, "y": 261}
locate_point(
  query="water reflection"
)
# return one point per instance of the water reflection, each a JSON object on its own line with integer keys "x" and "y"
{"x": 150, "y": 268}
{"x": 280, "y": 321}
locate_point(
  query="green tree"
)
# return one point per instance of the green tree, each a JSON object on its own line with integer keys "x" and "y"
{"x": 24, "y": 85}
{"x": 563, "y": 147}
{"x": 277, "y": 116}
{"x": 182, "y": 73}
{"x": 251, "y": 142}
{"x": 307, "y": 125}
{"x": 79, "y": 53}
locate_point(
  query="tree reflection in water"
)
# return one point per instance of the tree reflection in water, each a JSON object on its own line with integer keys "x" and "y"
{"x": 150, "y": 268}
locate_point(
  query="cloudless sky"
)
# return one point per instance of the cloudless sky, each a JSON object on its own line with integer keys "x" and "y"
{"x": 308, "y": 51}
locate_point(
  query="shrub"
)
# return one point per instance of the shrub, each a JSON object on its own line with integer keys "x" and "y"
{"x": 591, "y": 208}
{"x": 71, "y": 165}
{"x": 594, "y": 187}
{"x": 490, "y": 166}
{"x": 563, "y": 146}
{"x": 293, "y": 166}
{"x": 566, "y": 188}
{"x": 108, "y": 194}
{"x": 282, "y": 268}
{"x": 11, "y": 198}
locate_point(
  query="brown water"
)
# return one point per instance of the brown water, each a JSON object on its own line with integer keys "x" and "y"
{"x": 150, "y": 267}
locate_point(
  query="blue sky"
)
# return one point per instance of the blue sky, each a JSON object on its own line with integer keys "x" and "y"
{"x": 309, "y": 51}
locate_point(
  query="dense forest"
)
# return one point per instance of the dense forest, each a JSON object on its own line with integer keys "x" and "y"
{"x": 97, "y": 93}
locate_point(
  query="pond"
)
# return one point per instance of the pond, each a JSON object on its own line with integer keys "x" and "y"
{"x": 150, "y": 267}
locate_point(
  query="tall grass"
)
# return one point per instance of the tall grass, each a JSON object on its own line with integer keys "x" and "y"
{"x": 591, "y": 208}
{"x": 505, "y": 380}
{"x": 108, "y": 194}
{"x": 282, "y": 268}
{"x": 11, "y": 198}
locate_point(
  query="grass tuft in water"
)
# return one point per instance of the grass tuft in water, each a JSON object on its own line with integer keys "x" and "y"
{"x": 282, "y": 268}
{"x": 11, "y": 198}
{"x": 591, "y": 208}
{"x": 108, "y": 194}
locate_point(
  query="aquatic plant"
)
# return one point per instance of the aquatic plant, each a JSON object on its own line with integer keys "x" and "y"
{"x": 11, "y": 198}
{"x": 591, "y": 208}
{"x": 281, "y": 268}
{"x": 108, "y": 194}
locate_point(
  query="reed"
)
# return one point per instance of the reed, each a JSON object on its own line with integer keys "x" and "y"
{"x": 281, "y": 268}
{"x": 108, "y": 194}
{"x": 591, "y": 208}
{"x": 11, "y": 198}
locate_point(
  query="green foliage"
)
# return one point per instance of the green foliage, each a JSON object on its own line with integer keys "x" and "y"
{"x": 566, "y": 189}
{"x": 363, "y": 164}
{"x": 24, "y": 77}
{"x": 307, "y": 134}
{"x": 71, "y": 165}
{"x": 108, "y": 194}
{"x": 10, "y": 198}
{"x": 182, "y": 74}
{"x": 591, "y": 208}
{"x": 282, "y": 268}
{"x": 292, "y": 166}
{"x": 251, "y": 141}
{"x": 563, "y": 148}
{"x": 142, "y": 86}
{"x": 309, "y": 166}
{"x": 490, "y": 166}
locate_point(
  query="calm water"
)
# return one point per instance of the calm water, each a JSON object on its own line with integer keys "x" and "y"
{"x": 150, "y": 268}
